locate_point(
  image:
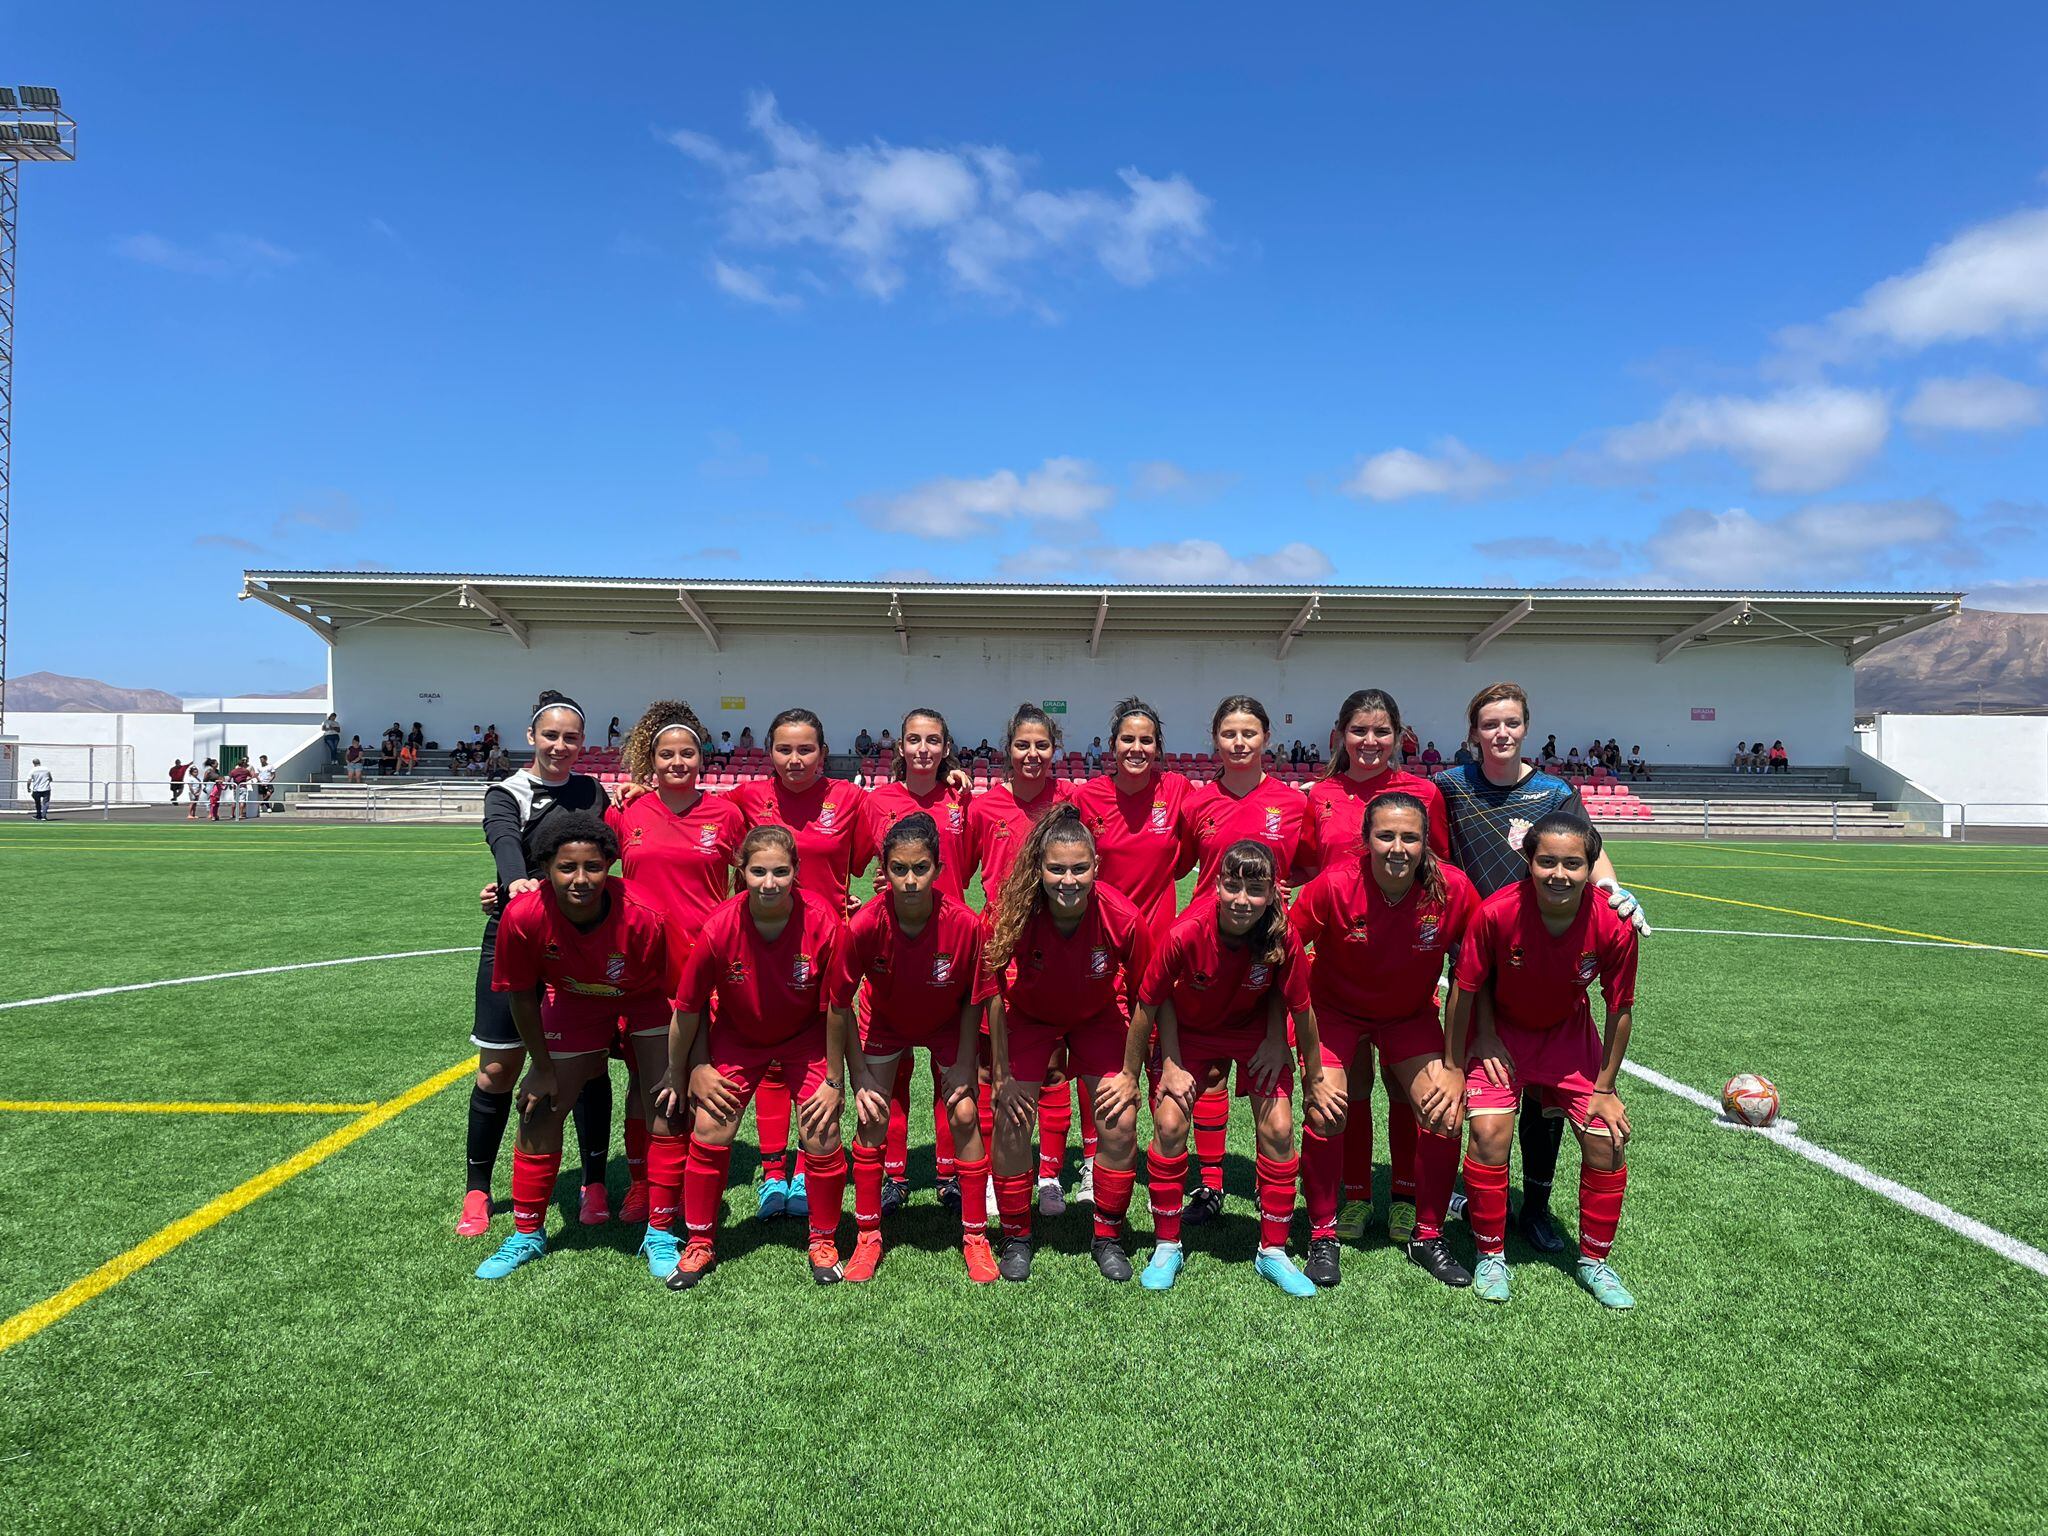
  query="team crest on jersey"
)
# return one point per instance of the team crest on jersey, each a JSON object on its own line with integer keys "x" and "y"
{"x": 615, "y": 966}
{"x": 1589, "y": 966}
{"x": 956, "y": 818}
{"x": 1518, "y": 829}
{"x": 707, "y": 837}
{"x": 1273, "y": 815}
{"x": 1258, "y": 975}
{"x": 1161, "y": 822}
{"x": 1515, "y": 956}
{"x": 828, "y": 816}
{"x": 942, "y": 968}
{"x": 1098, "y": 961}
{"x": 736, "y": 973}
{"x": 802, "y": 971}
{"x": 1425, "y": 933}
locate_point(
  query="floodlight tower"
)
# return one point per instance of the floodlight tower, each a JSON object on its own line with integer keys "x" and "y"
{"x": 33, "y": 126}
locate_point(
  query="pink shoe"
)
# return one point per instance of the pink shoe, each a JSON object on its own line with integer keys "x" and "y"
{"x": 476, "y": 1214}
{"x": 633, "y": 1210}
{"x": 597, "y": 1206}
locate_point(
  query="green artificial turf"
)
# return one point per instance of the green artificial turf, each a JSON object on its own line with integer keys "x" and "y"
{"x": 1804, "y": 1357}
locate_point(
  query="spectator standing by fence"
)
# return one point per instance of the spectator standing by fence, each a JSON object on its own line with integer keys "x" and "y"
{"x": 177, "y": 779}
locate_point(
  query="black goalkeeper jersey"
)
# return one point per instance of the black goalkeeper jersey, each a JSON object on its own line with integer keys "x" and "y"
{"x": 1487, "y": 820}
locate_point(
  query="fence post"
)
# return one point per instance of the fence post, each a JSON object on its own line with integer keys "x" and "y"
{"x": 106, "y": 802}
{"x": 1834, "y": 821}
{"x": 1706, "y": 821}
{"x": 1962, "y": 821}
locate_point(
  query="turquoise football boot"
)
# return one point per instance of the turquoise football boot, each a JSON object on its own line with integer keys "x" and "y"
{"x": 1605, "y": 1285}
{"x": 520, "y": 1248}
{"x": 1490, "y": 1278}
{"x": 1166, "y": 1264}
{"x": 1278, "y": 1268}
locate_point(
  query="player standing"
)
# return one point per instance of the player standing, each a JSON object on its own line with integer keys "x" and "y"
{"x": 759, "y": 971}
{"x": 517, "y": 811}
{"x": 1492, "y": 804}
{"x": 912, "y": 958}
{"x": 1064, "y": 958}
{"x": 1534, "y": 949}
{"x": 604, "y": 960}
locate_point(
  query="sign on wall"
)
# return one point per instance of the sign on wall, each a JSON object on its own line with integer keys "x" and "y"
{"x": 1053, "y": 706}
{"x": 733, "y": 701}
{"x": 1702, "y": 714}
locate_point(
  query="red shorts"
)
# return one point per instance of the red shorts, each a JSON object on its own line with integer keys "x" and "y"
{"x": 1095, "y": 1047}
{"x": 746, "y": 1063}
{"x": 1560, "y": 1064}
{"x": 1340, "y": 1035}
{"x": 1203, "y": 1054}
{"x": 598, "y": 1024}
{"x": 878, "y": 1039}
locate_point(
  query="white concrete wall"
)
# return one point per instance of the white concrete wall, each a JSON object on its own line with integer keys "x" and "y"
{"x": 87, "y": 750}
{"x": 1803, "y": 694}
{"x": 276, "y": 727}
{"x": 1995, "y": 764}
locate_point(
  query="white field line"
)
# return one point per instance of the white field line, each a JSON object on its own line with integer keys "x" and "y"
{"x": 2000, "y": 1243}
{"x": 1851, "y": 938}
{"x": 265, "y": 970}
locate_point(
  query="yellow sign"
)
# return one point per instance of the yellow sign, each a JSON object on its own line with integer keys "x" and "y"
{"x": 733, "y": 701}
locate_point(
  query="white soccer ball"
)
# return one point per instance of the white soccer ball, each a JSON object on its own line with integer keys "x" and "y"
{"x": 1751, "y": 1099}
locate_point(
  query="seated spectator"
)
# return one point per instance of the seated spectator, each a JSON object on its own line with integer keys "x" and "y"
{"x": 1297, "y": 754}
{"x": 1780, "y": 759}
{"x": 497, "y": 765}
{"x": 408, "y": 755}
{"x": 612, "y": 734}
{"x": 416, "y": 737}
{"x": 985, "y": 752}
{"x": 1312, "y": 755}
{"x": 1431, "y": 758}
{"x": 1093, "y": 755}
{"x": 1574, "y": 765}
{"x": 1743, "y": 757}
{"x": 1549, "y": 752}
{"x": 353, "y": 758}
{"x": 724, "y": 752}
{"x": 1463, "y": 754}
{"x": 1637, "y": 768}
{"x": 475, "y": 738}
{"x": 747, "y": 736}
{"x": 887, "y": 744}
{"x": 491, "y": 738}
{"x": 864, "y": 743}
{"x": 1612, "y": 756}
{"x": 1550, "y": 762}
{"x": 1410, "y": 743}
{"x": 458, "y": 757}
{"x": 387, "y": 755}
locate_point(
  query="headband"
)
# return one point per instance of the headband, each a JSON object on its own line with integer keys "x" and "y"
{"x": 569, "y": 704}
{"x": 677, "y": 725}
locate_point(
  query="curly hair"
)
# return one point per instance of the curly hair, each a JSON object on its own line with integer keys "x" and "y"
{"x": 1250, "y": 859}
{"x": 575, "y": 827}
{"x": 1023, "y": 892}
{"x": 1429, "y": 873}
{"x": 661, "y": 715}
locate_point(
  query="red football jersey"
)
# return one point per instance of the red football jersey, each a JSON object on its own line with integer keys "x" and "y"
{"x": 767, "y": 993}
{"x": 1069, "y": 978}
{"x": 681, "y": 864}
{"x": 1219, "y": 988}
{"x": 630, "y": 952}
{"x": 997, "y": 826}
{"x": 1273, "y": 814}
{"x": 835, "y": 833}
{"x": 1141, "y": 841}
{"x": 1336, "y": 815}
{"x": 893, "y": 801}
{"x": 1374, "y": 961}
{"x": 914, "y": 986}
{"x": 1539, "y": 979}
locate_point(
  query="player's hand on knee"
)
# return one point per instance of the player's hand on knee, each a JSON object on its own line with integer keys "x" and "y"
{"x": 717, "y": 1095}
{"x": 871, "y": 1107}
{"x": 1608, "y": 1110}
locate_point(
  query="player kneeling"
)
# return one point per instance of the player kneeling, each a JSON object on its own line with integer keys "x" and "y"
{"x": 913, "y": 957}
{"x": 1217, "y": 994}
{"x": 1532, "y": 952}
{"x": 759, "y": 969}
{"x": 604, "y": 959}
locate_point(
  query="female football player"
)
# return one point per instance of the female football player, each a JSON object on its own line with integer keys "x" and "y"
{"x": 1533, "y": 950}
{"x": 913, "y": 957}
{"x": 1380, "y": 924}
{"x": 759, "y": 970}
{"x": 677, "y": 846}
{"x": 603, "y": 958}
{"x": 1064, "y": 957}
{"x": 1218, "y": 993}
{"x": 517, "y": 811}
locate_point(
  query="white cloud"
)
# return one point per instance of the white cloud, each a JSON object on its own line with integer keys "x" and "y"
{"x": 225, "y": 255}
{"x": 750, "y": 287}
{"x": 1163, "y": 477}
{"x": 1205, "y": 561}
{"x": 879, "y": 207}
{"x": 1797, "y": 440}
{"x": 2009, "y": 596}
{"x": 1061, "y": 490}
{"x": 1841, "y": 542}
{"x": 1981, "y": 402}
{"x": 1453, "y": 470}
{"x": 1990, "y": 280}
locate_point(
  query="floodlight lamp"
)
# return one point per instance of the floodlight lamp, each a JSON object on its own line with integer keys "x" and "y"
{"x": 40, "y": 133}
{"x": 7, "y": 101}
{"x": 40, "y": 98}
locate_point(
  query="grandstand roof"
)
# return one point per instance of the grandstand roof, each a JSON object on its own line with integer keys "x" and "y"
{"x": 333, "y": 602}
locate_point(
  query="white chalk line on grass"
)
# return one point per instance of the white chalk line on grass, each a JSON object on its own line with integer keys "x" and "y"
{"x": 1852, "y": 938}
{"x": 261, "y": 970}
{"x": 2003, "y": 1244}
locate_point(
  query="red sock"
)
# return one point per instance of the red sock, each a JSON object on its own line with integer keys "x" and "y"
{"x": 974, "y": 1196}
{"x": 1087, "y": 1097}
{"x": 985, "y": 1111}
{"x": 1401, "y": 1134}
{"x": 1322, "y": 1169}
{"x": 945, "y": 1156}
{"x": 636, "y": 1149}
{"x": 896, "y": 1149}
{"x": 1486, "y": 1204}
{"x": 1168, "y": 1178}
{"x": 868, "y": 1168}
{"x": 1436, "y": 1164}
{"x": 1276, "y": 1198}
{"x": 1358, "y": 1149}
{"x": 1113, "y": 1199}
{"x": 533, "y": 1186}
{"x": 1055, "y": 1119}
{"x": 1599, "y": 1209}
{"x": 704, "y": 1189}
{"x": 1013, "y": 1203}
{"x": 771, "y": 1126}
{"x": 1212, "y": 1129}
{"x": 825, "y": 1183}
{"x": 666, "y": 1156}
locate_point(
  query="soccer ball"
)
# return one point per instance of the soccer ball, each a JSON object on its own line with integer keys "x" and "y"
{"x": 1751, "y": 1099}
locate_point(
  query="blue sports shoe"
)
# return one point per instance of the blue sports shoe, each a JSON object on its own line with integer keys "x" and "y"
{"x": 1278, "y": 1268}
{"x": 1605, "y": 1285}
{"x": 1490, "y": 1278}
{"x": 774, "y": 1197}
{"x": 799, "y": 1198}
{"x": 520, "y": 1248}
{"x": 661, "y": 1252}
{"x": 1164, "y": 1268}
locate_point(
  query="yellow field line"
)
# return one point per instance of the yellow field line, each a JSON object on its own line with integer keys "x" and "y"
{"x": 183, "y": 1107}
{"x": 30, "y": 1321}
{"x": 1847, "y": 922}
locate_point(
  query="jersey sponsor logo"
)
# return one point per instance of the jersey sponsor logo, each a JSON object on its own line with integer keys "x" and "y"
{"x": 1258, "y": 976}
{"x": 1589, "y": 965}
{"x": 1515, "y": 956}
{"x": 1099, "y": 961}
{"x": 942, "y": 968}
{"x": 802, "y": 971}
{"x": 1273, "y": 819}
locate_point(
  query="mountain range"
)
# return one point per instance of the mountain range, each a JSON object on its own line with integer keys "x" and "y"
{"x": 88, "y": 695}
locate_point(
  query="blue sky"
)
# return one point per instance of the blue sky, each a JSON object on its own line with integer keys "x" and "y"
{"x": 1757, "y": 296}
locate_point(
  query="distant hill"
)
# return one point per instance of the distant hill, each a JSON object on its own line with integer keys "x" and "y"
{"x": 85, "y": 695}
{"x": 317, "y": 691}
{"x": 1978, "y": 661}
